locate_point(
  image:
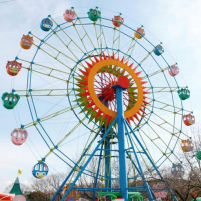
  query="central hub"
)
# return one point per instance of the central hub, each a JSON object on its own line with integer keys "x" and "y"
{"x": 124, "y": 82}
{"x": 108, "y": 93}
{"x": 97, "y": 92}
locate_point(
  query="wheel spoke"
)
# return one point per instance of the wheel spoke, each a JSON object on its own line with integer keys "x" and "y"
{"x": 145, "y": 58}
{"x": 44, "y": 92}
{"x": 71, "y": 40}
{"x": 131, "y": 48}
{"x": 58, "y": 51}
{"x": 55, "y": 114}
{"x": 155, "y": 73}
{"x": 167, "y": 123}
{"x": 168, "y": 105}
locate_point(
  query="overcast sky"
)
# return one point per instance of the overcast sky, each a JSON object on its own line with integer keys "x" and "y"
{"x": 175, "y": 22}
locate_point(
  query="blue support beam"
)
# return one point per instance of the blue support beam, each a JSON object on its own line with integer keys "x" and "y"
{"x": 87, "y": 162}
{"x": 121, "y": 143}
{"x": 72, "y": 170}
{"x": 98, "y": 168}
{"x": 149, "y": 158}
{"x": 108, "y": 182}
{"x": 139, "y": 165}
{"x": 123, "y": 126}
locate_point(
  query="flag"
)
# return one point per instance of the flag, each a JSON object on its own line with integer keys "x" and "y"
{"x": 19, "y": 171}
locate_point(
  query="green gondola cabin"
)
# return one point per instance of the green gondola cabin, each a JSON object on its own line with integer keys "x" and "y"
{"x": 10, "y": 100}
{"x": 94, "y": 14}
{"x": 183, "y": 93}
{"x": 198, "y": 155}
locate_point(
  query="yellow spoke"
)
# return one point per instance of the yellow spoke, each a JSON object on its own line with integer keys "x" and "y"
{"x": 131, "y": 48}
{"x": 155, "y": 73}
{"x": 167, "y": 123}
{"x": 168, "y": 105}
{"x": 55, "y": 114}
{"x": 145, "y": 58}
{"x": 71, "y": 40}
{"x": 47, "y": 74}
{"x": 59, "y": 52}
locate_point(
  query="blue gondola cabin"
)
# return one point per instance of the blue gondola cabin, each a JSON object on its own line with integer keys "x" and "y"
{"x": 46, "y": 24}
{"x": 177, "y": 170}
{"x": 40, "y": 170}
{"x": 158, "y": 50}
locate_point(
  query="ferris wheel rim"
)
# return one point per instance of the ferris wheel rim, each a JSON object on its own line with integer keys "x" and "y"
{"x": 68, "y": 97}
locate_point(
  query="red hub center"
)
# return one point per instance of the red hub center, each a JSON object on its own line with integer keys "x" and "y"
{"x": 124, "y": 82}
{"x": 108, "y": 93}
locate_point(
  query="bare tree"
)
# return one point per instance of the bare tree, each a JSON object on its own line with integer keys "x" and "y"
{"x": 189, "y": 186}
{"x": 37, "y": 195}
{"x": 48, "y": 185}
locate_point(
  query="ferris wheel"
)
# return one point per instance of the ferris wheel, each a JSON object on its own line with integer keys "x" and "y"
{"x": 98, "y": 77}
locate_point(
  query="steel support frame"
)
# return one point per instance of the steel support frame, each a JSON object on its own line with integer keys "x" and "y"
{"x": 84, "y": 166}
{"x": 98, "y": 168}
{"x": 121, "y": 143}
{"x": 123, "y": 126}
{"x": 149, "y": 158}
{"x": 108, "y": 182}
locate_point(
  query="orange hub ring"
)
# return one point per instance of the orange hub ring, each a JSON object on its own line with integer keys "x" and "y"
{"x": 92, "y": 100}
{"x": 98, "y": 103}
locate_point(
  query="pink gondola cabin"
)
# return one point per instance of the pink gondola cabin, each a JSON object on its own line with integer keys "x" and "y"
{"x": 161, "y": 192}
{"x": 69, "y": 15}
{"x": 173, "y": 70}
{"x": 19, "y": 136}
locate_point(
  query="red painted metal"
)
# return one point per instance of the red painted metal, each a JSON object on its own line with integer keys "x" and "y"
{"x": 13, "y": 67}
{"x": 189, "y": 119}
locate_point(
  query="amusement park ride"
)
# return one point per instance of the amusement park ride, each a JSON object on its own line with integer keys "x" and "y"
{"x": 117, "y": 85}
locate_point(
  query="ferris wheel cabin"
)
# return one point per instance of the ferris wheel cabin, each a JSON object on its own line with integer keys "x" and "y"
{"x": 94, "y": 14}
{"x": 10, "y": 100}
{"x": 158, "y": 50}
{"x": 118, "y": 20}
{"x": 46, "y": 24}
{"x": 19, "y": 136}
{"x": 73, "y": 194}
{"x": 69, "y": 15}
{"x": 13, "y": 67}
{"x": 40, "y": 170}
{"x": 140, "y": 32}
{"x": 26, "y": 42}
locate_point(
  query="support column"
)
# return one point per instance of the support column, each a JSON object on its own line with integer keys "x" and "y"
{"x": 108, "y": 182}
{"x": 86, "y": 163}
{"x": 121, "y": 142}
{"x": 98, "y": 168}
{"x": 107, "y": 152}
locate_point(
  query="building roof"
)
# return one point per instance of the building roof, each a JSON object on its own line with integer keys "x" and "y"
{"x": 6, "y": 197}
{"x": 16, "y": 188}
